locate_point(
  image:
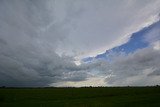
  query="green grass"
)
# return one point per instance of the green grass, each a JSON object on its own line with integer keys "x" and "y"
{"x": 80, "y": 97}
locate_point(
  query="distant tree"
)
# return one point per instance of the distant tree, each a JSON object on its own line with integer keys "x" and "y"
{"x": 3, "y": 86}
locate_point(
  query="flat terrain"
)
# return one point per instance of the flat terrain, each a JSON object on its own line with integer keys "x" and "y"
{"x": 80, "y": 97}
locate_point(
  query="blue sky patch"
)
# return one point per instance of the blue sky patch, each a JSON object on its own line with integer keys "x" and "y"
{"x": 136, "y": 41}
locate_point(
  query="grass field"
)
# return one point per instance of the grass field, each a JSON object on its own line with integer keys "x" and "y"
{"x": 80, "y": 97}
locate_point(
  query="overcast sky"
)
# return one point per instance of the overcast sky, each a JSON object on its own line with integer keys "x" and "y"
{"x": 79, "y": 42}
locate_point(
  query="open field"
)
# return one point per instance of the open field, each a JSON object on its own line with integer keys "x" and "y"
{"x": 80, "y": 97}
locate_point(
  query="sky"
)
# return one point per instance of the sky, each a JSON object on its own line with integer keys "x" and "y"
{"x": 79, "y": 43}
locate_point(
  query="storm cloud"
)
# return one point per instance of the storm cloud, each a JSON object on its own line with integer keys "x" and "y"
{"x": 40, "y": 41}
{"x": 28, "y": 46}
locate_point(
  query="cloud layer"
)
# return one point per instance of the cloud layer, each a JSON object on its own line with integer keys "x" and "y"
{"x": 141, "y": 68}
{"x": 28, "y": 45}
{"x": 39, "y": 41}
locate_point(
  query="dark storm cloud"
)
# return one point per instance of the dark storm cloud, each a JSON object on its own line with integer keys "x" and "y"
{"x": 28, "y": 39}
{"x": 34, "y": 34}
{"x": 3, "y": 42}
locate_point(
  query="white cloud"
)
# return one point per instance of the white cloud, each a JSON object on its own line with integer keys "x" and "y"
{"x": 141, "y": 68}
{"x": 95, "y": 26}
{"x": 133, "y": 69}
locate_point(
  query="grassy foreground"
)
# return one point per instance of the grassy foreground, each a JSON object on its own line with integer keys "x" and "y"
{"x": 80, "y": 97}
